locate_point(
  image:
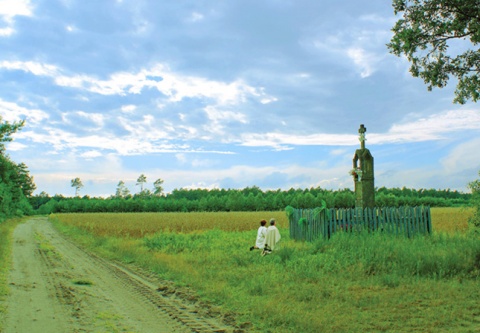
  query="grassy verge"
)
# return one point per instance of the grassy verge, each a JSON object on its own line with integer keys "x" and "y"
{"x": 371, "y": 283}
{"x": 6, "y": 229}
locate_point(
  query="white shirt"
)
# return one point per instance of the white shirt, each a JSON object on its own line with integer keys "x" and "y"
{"x": 261, "y": 234}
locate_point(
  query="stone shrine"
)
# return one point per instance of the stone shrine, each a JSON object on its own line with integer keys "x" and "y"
{"x": 362, "y": 173}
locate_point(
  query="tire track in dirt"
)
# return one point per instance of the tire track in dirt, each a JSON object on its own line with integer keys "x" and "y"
{"x": 58, "y": 287}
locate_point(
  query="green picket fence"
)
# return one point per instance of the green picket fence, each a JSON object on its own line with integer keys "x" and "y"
{"x": 309, "y": 224}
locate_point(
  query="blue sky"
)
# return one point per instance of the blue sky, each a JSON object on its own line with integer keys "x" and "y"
{"x": 222, "y": 94}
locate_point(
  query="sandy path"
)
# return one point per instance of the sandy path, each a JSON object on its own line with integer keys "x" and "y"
{"x": 57, "y": 287}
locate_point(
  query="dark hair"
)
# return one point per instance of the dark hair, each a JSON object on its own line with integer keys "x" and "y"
{"x": 272, "y": 221}
{"x": 263, "y": 222}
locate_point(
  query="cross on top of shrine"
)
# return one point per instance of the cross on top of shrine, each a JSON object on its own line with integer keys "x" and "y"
{"x": 361, "y": 137}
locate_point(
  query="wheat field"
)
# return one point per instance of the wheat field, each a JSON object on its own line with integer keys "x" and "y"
{"x": 137, "y": 225}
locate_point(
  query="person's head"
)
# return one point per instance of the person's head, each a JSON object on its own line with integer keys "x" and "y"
{"x": 263, "y": 222}
{"x": 272, "y": 222}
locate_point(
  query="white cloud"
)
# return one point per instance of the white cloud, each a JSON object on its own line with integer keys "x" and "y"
{"x": 35, "y": 68}
{"x": 304, "y": 75}
{"x": 362, "y": 46}
{"x": 182, "y": 158}
{"x": 13, "y": 112}
{"x": 173, "y": 85}
{"x": 71, "y": 28}
{"x": 363, "y": 60}
{"x": 96, "y": 119}
{"x": 202, "y": 163}
{"x": 91, "y": 154}
{"x": 433, "y": 128}
{"x": 196, "y": 17}
{"x": 268, "y": 100}
{"x": 338, "y": 152}
{"x": 178, "y": 87}
{"x": 12, "y": 8}
{"x": 147, "y": 128}
{"x": 218, "y": 118}
{"x": 139, "y": 142}
{"x": 6, "y": 31}
{"x": 128, "y": 108}
{"x": 462, "y": 157}
{"x": 201, "y": 185}
{"x": 15, "y": 146}
{"x": 278, "y": 140}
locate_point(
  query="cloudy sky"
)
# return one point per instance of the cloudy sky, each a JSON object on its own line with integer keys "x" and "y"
{"x": 222, "y": 94}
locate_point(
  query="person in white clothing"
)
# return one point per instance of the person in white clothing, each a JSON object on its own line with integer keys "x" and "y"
{"x": 272, "y": 238}
{"x": 261, "y": 234}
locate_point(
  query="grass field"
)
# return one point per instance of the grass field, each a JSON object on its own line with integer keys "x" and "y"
{"x": 363, "y": 283}
{"x": 6, "y": 229}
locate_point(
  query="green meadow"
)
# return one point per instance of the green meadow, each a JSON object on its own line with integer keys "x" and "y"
{"x": 350, "y": 283}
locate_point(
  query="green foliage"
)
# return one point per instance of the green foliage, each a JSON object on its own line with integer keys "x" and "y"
{"x": 289, "y": 211}
{"x": 6, "y": 131}
{"x": 142, "y": 179}
{"x": 285, "y": 254}
{"x": 435, "y": 256}
{"x": 172, "y": 243}
{"x": 13, "y": 189}
{"x": 430, "y": 34}
{"x": 322, "y": 212}
{"x": 248, "y": 199}
{"x": 77, "y": 184}
{"x": 122, "y": 190}
{"x": 157, "y": 186}
{"x": 474, "y": 186}
{"x": 302, "y": 221}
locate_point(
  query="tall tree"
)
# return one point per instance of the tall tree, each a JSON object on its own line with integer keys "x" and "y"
{"x": 157, "y": 187}
{"x": 6, "y": 131}
{"x": 142, "y": 179}
{"x": 439, "y": 39}
{"x": 15, "y": 182}
{"x": 77, "y": 184}
{"x": 24, "y": 180}
{"x": 122, "y": 190}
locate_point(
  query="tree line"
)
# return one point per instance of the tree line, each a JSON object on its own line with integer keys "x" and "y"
{"x": 247, "y": 199}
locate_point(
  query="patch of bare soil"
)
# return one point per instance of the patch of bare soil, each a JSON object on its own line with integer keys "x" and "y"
{"x": 58, "y": 287}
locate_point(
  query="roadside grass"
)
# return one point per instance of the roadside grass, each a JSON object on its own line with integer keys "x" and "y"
{"x": 351, "y": 283}
{"x": 6, "y": 229}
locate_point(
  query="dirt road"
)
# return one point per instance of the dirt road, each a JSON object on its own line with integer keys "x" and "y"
{"x": 58, "y": 287}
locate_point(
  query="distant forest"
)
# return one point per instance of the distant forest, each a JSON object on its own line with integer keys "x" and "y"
{"x": 247, "y": 199}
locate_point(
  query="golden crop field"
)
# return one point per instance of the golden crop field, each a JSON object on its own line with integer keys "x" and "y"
{"x": 451, "y": 220}
{"x": 138, "y": 225}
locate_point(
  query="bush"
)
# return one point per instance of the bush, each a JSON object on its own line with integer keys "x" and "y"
{"x": 475, "y": 220}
